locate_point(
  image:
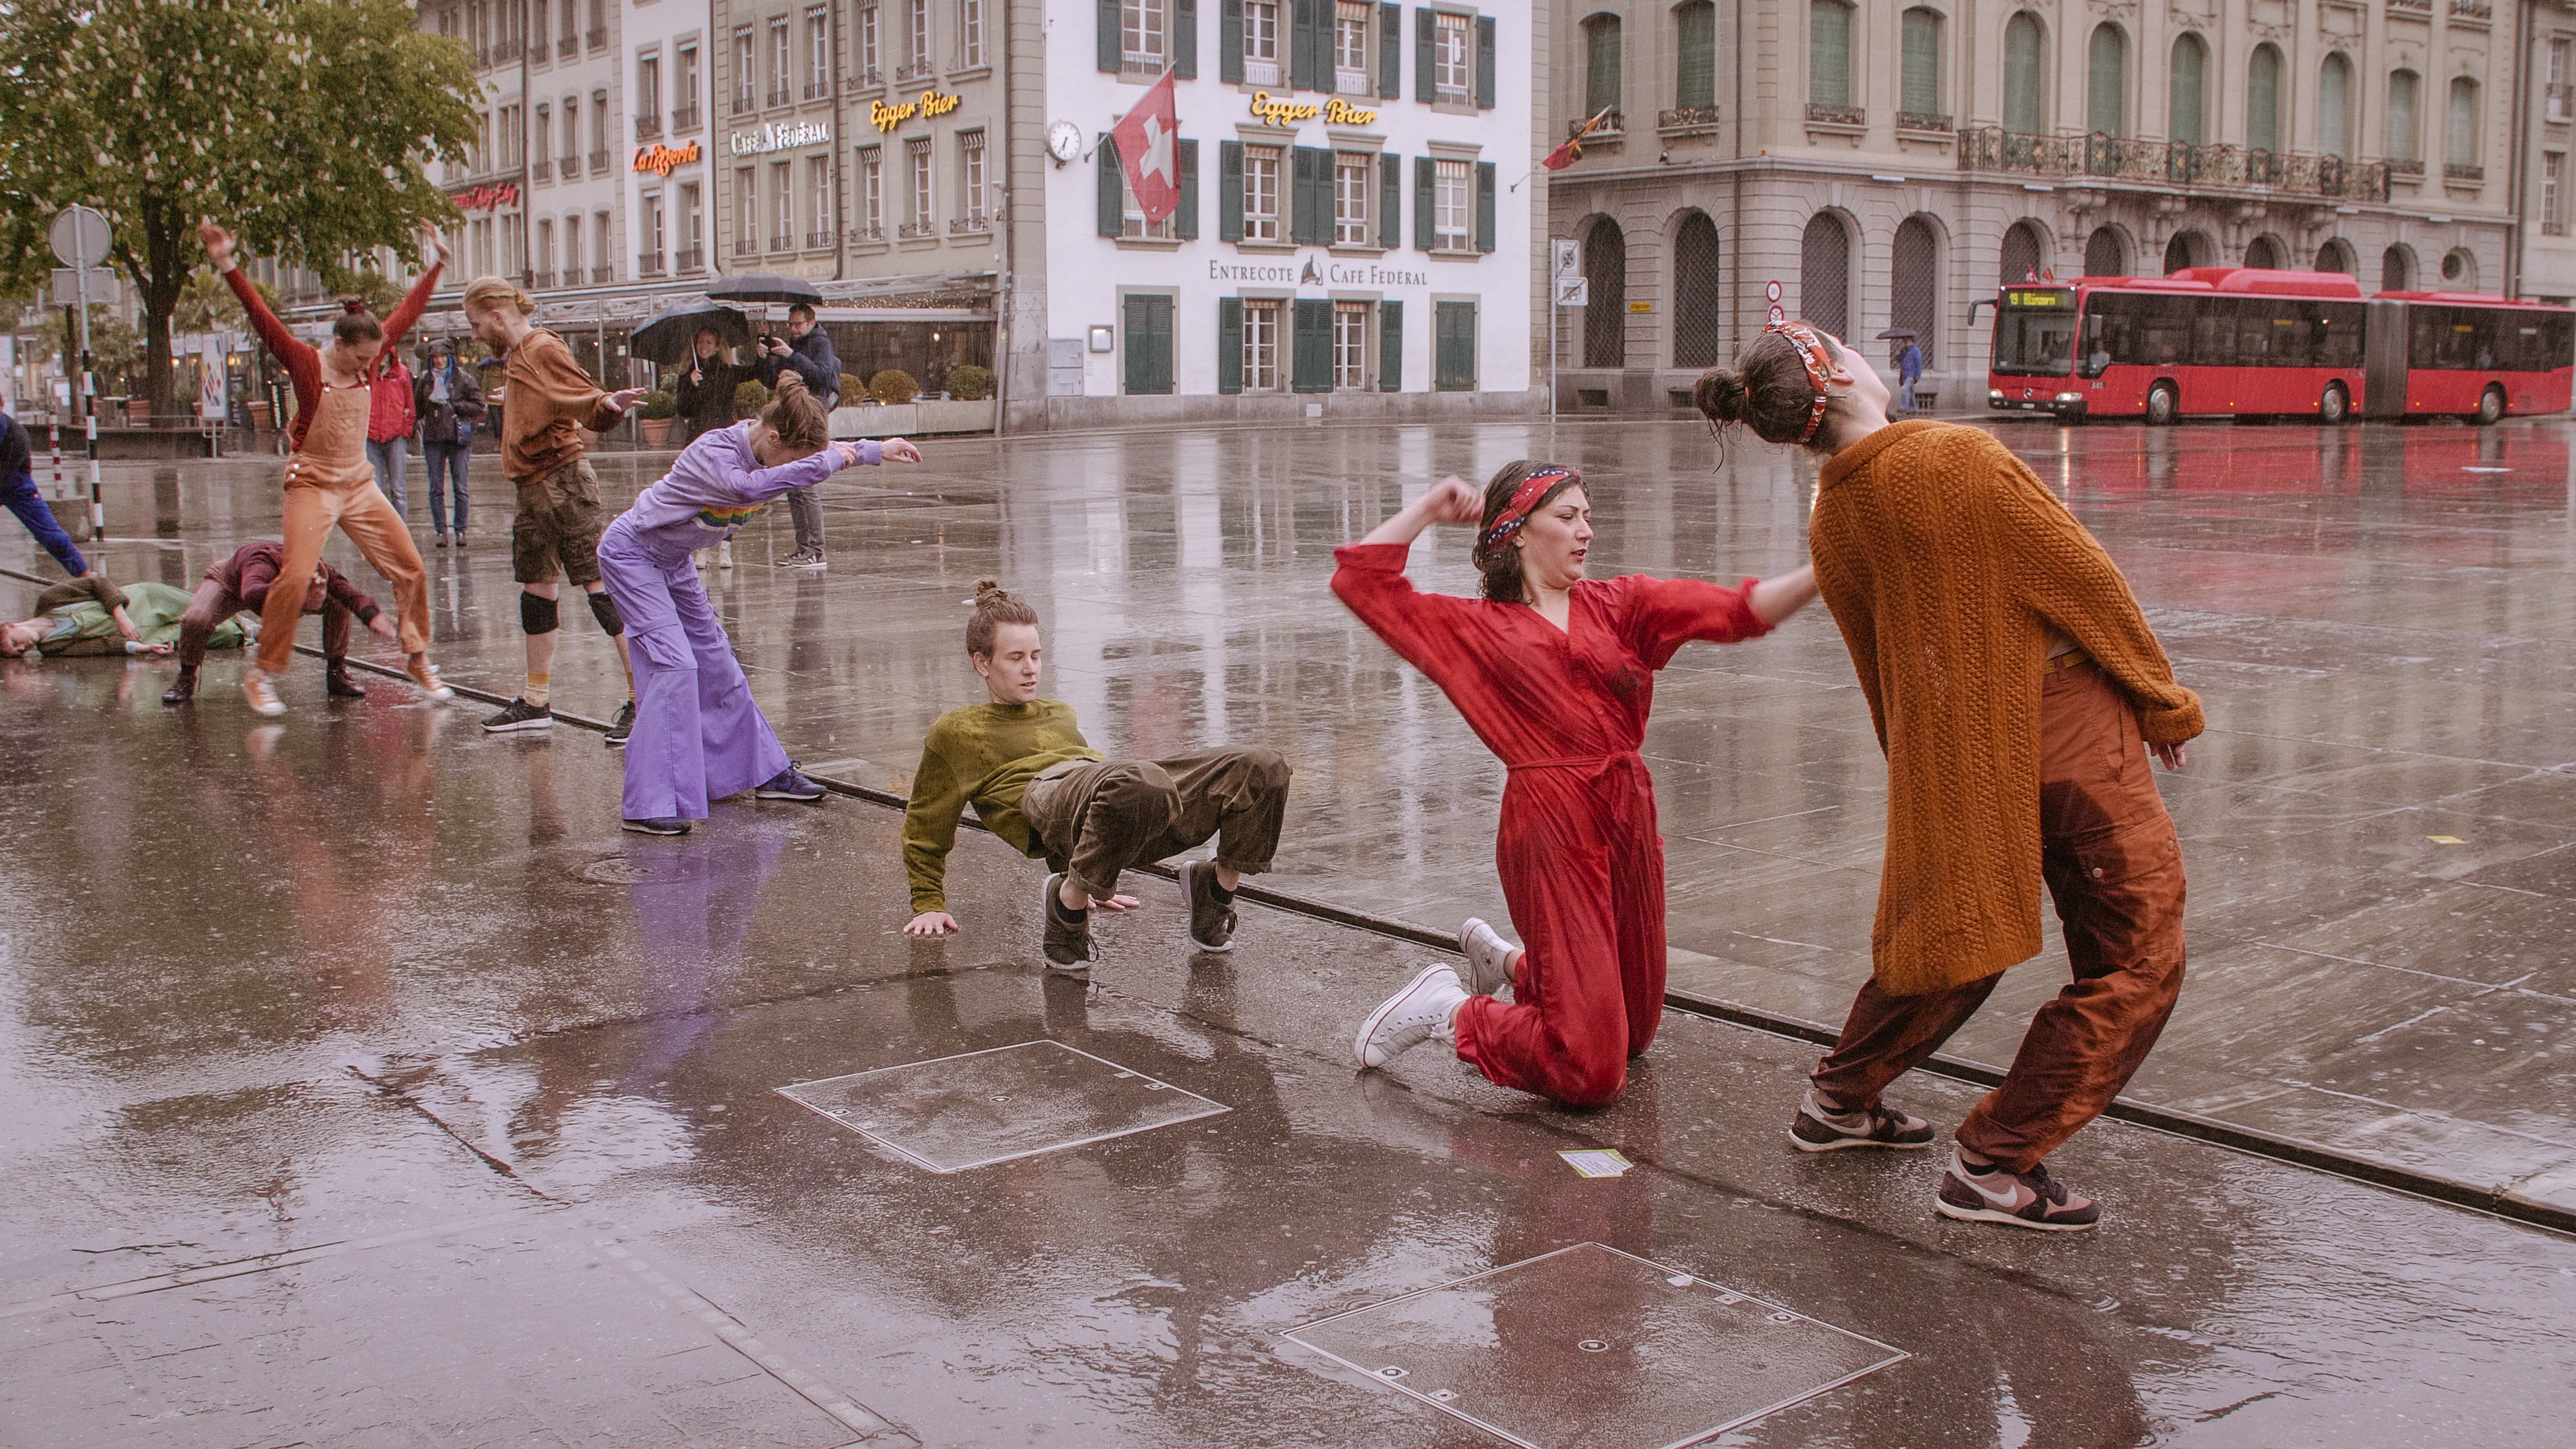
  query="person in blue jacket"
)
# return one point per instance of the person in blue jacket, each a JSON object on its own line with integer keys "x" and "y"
{"x": 807, "y": 350}
{"x": 18, "y": 489}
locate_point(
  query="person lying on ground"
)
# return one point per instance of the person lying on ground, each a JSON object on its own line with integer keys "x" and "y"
{"x": 90, "y": 616}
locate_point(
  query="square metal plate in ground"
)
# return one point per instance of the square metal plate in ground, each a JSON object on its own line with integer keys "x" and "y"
{"x": 966, "y": 1111}
{"x": 1588, "y": 1346}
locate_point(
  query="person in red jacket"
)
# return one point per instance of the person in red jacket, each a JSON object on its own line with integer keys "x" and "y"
{"x": 389, "y": 421}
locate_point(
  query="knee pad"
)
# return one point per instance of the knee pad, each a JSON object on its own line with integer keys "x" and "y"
{"x": 536, "y": 614}
{"x": 604, "y": 609}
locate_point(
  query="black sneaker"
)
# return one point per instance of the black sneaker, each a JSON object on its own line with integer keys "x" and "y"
{"x": 520, "y": 715}
{"x": 2030, "y": 1199}
{"x": 1819, "y": 1129}
{"x": 1068, "y": 935}
{"x": 622, "y": 726}
{"x": 337, "y": 684}
{"x": 1211, "y": 919}
{"x": 788, "y": 784}
{"x": 658, "y": 825}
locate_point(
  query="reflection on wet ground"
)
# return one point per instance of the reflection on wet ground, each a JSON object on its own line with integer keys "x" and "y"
{"x": 454, "y": 1112}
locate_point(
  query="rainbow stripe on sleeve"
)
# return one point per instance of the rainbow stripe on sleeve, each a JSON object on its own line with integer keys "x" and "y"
{"x": 723, "y": 518}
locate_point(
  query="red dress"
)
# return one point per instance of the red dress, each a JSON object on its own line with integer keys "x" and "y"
{"x": 1581, "y": 863}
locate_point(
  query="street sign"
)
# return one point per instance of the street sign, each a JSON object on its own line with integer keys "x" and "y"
{"x": 1574, "y": 291}
{"x": 69, "y": 284}
{"x": 79, "y": 237}
{"x": 1771, "y": 293}
{"x": 1778, "y": 316}
{"x": 1568, "y": 260}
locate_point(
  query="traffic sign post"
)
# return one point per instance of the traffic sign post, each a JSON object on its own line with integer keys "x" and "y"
{"x": 1771, "y": 293}
{"x": 80, "y": 238}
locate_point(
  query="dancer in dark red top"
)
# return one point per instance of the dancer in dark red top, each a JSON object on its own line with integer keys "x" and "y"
{"x": 1556, "y": 674}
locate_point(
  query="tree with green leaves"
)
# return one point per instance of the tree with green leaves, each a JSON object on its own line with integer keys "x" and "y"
{"x": 305, "y": 124}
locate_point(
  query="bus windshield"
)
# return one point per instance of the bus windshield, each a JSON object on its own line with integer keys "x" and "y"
{"x": 2035, "y": 332}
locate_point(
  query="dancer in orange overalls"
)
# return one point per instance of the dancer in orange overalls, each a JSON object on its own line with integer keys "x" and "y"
{"x": 328, "y": 478}
{"x": 1556, "y": 674}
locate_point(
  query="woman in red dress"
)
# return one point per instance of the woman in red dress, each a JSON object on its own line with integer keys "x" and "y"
{"x": 1556, "y": 674}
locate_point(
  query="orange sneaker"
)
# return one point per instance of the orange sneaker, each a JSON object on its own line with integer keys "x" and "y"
{"x": 425, "y": 674}
{"x": 263, "y": 699}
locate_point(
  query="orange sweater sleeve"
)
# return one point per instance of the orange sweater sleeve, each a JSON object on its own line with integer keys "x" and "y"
{"x": 2065, "y": 576}
{"x": 561, "y": 390}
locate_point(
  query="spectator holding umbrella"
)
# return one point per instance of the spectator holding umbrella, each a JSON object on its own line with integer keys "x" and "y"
{"x": 446, "y": 399}
{"x": 705, "y": 393}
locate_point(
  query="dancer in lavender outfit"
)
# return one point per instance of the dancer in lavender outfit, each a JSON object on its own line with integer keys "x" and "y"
{"x": 698, "y": 735}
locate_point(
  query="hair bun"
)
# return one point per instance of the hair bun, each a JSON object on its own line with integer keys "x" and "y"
{"x": 989, "y": 591}
{"x": 788, "y": 382}
{"x": 1721, "y": 395}
{"x": 354, "y": 305}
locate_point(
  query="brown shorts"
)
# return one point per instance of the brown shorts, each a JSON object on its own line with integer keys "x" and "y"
{"x": 558, "y": 527}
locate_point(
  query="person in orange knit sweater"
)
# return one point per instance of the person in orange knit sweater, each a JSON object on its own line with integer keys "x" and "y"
{"x": 2017, "y": 692}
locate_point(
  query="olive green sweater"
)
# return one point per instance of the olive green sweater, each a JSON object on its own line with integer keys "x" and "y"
{"x": 983, "y": 755}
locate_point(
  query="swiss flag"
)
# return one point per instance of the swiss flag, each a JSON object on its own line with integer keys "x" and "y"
{"x": 1149, "y": 147}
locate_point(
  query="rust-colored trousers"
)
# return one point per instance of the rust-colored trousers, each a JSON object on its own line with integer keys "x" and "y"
{"x": 2108, "y": 852}
{"x": 328, "y": 482}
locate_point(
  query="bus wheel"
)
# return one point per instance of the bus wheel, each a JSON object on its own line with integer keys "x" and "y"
{"x": 2163, "y": 404}
{"x": 2490, "y": 404}
{"x": 2335, "y": 406}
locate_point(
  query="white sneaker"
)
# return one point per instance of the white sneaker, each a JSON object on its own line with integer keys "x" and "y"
{"x": 724, "y": 554}
{"x": 432, "y": 688}
{"x": 1424, "y": 1009}
{"x": 263, "y": 699}
{"x": 1489, "y": 958}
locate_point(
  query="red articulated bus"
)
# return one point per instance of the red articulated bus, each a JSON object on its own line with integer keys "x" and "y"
{"x": 2229, "y": 341}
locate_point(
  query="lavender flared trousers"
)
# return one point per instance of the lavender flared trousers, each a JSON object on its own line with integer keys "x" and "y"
{"x": 698, "y": 736}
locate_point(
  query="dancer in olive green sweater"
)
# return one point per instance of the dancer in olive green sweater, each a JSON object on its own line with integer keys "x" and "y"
{"x": 1034, "y": 781}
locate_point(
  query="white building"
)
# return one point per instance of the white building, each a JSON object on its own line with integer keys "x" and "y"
{"x": 1356, "y": 236}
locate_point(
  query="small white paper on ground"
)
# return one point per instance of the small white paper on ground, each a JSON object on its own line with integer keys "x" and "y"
{"x": 1597, "y": 1162}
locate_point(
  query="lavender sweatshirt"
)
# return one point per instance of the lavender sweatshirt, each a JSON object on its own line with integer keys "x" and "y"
{"x": 715, "y": 486}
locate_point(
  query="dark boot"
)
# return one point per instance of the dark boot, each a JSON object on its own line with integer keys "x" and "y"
{"x": 182, "y": 689}
{"x": 337, "y": 683}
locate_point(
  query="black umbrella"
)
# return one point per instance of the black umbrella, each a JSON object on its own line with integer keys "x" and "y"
{"x": 1893, "y": 333}
{"x": 671, "y": 337}
{"x": 766, "y": 287}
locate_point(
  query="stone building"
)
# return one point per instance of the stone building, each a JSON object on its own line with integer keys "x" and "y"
{"x": 2548, "y": 123}
{"x": 1888, "y": 165}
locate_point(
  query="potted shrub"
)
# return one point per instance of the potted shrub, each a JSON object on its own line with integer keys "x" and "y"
{"x": 654, "y": 417}
{"x": 969, "y": 383}
{"x": 750, "y": 396}
{"x": 138, "y": 412}
{"x": 853, "y": 391}
{"x": 893, "y": 387}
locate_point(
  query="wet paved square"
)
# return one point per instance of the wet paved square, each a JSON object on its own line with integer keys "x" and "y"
{"x": 1591, "y": 1348}
{"x": 991, "y": 1106}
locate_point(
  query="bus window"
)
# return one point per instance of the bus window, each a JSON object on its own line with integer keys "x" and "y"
{"x": 2164, "y": 331}
{"x": 2454, "y": 339}
{"x": 2213, "y": 333}
{"x": 2035, "y": 332}
{"x": 2339, "y": 333}
{"x": 2537, "y": 341}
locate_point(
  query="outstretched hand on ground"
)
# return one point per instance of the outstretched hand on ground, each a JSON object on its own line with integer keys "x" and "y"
{"x": 931, "y": 923}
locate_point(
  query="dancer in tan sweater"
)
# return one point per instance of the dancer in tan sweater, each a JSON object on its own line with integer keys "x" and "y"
{"x": 2017, "y": 692}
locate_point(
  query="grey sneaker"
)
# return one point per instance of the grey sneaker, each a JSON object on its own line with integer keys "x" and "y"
{"x": 1489, "y": 958}
{"x": 1818, "y": 1128}
{"x": 1211, "y": 920}
{"x": 520, "y": 715}
{"x": 1068, "y": 935}
{"x": 2030, "y": 1199}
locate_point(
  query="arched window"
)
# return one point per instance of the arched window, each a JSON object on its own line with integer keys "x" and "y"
{"x": 1601, "y": 65}
{"x": 2025, "y": 100}
{"x": 2104, "y": 256}
{"x": 1695, "y": 55}
{"x": 2336, "y": 256}
{"x": 1824, "y": 274}
{"x": 2405, "y": 97}
{"x": 2185, "y": 250}
{"x": 2263, "y": 252}
{"x": 2021, "y": 253}
{"x": 2396, "y": 270}
{"x": 1698, "y": 304}
{"x": 1829, "y": 53}
{"x": 2190, "y": 91}
{"x": 1914, "y": 279}
{"x": 2106, "y": 90}
{"x": 1605, "y": 316}
{"x": 2263, "y": 99}
{"x": 2460, "y": 136}
{"x": 1921, "y": 77}
{"x": 2334, "y": 107}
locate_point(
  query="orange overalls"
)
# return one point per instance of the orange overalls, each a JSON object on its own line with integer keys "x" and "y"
{"x": 329, "y": 482}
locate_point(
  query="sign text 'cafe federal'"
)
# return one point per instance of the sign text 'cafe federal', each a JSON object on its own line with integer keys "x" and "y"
{"x": 779, "y": 136}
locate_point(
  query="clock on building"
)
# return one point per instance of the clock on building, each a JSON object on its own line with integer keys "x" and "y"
{"x": 1064, "y": 141}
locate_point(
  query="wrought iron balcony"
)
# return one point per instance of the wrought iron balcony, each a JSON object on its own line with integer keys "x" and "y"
{"x": 1838, "y": 115}
{"x": 567, "y": 48}
{"x": 542, "y": 280}
{"x": 684, "y": 119}
{"x": 1922, "y": 121}
{"x": 919, "y": 228}
{"x": 969, "y": 224}
{"x": 744, "y": 104}
{"x": 744, "y": 246}
{"x": 543, "y": 169}
{"x": 2472, "y": 9}
{"x": 598, "y": 162}
{"x": 2454, "y": 171}
{"x": 867, "y": 233}
{"x": 2171, "y": 163}
{"x": 1686, "y": 118}
{"x": 779, "y": 95}
{"x": 816, "y": 90}
{"x": 572, "y": 166}
{"x": 648, "y": 126}
{"x": 1613, "y": 124}
{"x": 2409, "y": 169}
{"x": 818, "y": 239}
{"x": 691, "y": 259}
{"x": 917, "y": 68}
{"x": 783, "y": 242}
{"x": 599, "y": 37}
{"x": 648, "y": 264}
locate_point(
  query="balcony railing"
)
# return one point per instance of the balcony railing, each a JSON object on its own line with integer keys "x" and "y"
{"x": 972, "y": 224}
{"x": 918, "y": 228}
{"x": 648, "y": 126}
{"x": 2422, "y": 6}
{"x": 779, "y": 95}
{"x": 743, "y": 104}
{"x": 543, "y": 169}
{"x": 1922, "y": 121}
{"x": 606, "y": 273}
{"x": 2473, "y": 9}
{"x": 542, "y": 280}
{"x": 783, "y": 242}
{"x": 599, "y": 37}
{"x": 567, "y": 48}
{"x": 868, "y": 78}
{"x": 648, "y": 264}
{"x": 2171, "y": 163}
{"x": 684, "y": 120}
{"x": 2454, "y": 171}
{"x": 572, "y": 166}
{"x": 816, "y": 90}
{"x": 818, "y": 239}
{"x": 1613, "y": 124}
{"x": 690, "y": 259}
{"x": 867, "y": 233}
{"x": 2408, "y": 169}
{"x": 1686, "y": 118}
{"x": 598, "y": 162}
{"x": 744, "y": 246}
{"x": 1837, "y": 115}
{"x": 917, "y": 68}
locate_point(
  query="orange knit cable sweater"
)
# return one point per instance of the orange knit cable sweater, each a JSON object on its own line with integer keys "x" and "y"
{"x": 1948, "y": 565}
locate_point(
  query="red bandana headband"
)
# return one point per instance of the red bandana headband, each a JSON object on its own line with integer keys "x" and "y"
{"x": 1517, "y": 512}
{"x": 1820, "y": 369}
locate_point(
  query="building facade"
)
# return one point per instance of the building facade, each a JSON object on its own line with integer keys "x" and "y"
{"x": 2548, "y": 128}
{"x": 1358, "y": 231}
{"x": 1889, "y": 165}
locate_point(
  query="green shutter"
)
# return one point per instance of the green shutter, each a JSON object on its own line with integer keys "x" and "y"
{"x": 1695, "y": 56}
{"x": 1425, "y": 173}
{"x": 1113, "y": 194}
{"x": 1112, "y": 54}
{"x": 1485, "y": 75}
{"x": 1185, "y": 39}
{"x": 1454, "y": 346}
{"x": 1229, "y": 42}
{"x": 1390, "y": 346}
{"x": 1229, "y": 344}
{"x": 1229, "y": 191}
{"x": 1311, "y": 189}
{"x": 1188, "y": 228}
{"x": 1305, "y": 24}
{"x": 1149, "y": 343}
{"x": 1314, "y": 347}
{"x": 1390, "y": 200}
{"x": 1484, "y": 206}
{"x": 1425, "y": 52}
{"x": 1390, "y": 52}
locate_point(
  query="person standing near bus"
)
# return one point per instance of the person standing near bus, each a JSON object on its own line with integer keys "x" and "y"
{"x": 2017, "y": 691}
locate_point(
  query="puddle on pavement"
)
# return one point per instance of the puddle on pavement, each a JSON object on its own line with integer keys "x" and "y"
{"x": 1588, "y": 1346}
{"x": 953, "y": 1113}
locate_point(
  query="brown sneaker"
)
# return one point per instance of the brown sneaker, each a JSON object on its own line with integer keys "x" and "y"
{"x": 2030, "y": 1199}
{"x": 1211, "y": 919}
{"x": 1818, "y": 1128}
{"x": 1068, "y": 933}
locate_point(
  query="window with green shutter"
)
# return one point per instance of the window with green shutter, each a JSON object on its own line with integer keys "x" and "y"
{"x": 1390, "y": 200}
{"x": 1485, "y": 63}
{"x": 1185, "y": 39}
{"x": 1229, "y": 344}
{"x": 1229, "y": 191}
{"x": 1695, "y": 56}
{"x": 1229, "y": 42}
{"x": 1148, "y": 342}
{"x": 1453, "y": 346}
{"x": 1185, "y": 220}
{"x": 1112, "y": 53}
{"x": 1390, "y": 346}
{"x": 1310, "y": 220}
{"x": 1485, "y": 206}
{"x": 1426, "y": 175}
{"x": 1310, "y": 45}
{"x": 1113, "y": 189}
{"x": 1426, "y": 54}
{"x": 1390, "y": 52}
{"x": 1312, "y": 368}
